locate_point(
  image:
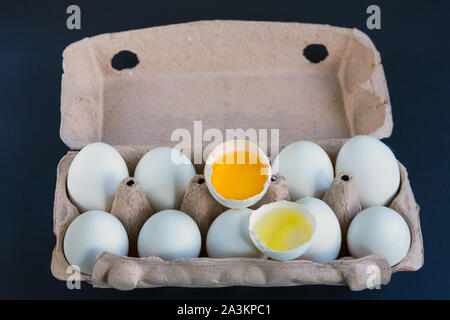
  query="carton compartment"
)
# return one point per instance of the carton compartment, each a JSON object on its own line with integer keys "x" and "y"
{"x": 219, "y": 98}
{"x": 127, "y": 272}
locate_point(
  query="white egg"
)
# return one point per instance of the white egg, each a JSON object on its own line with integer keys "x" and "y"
{"x": 307, "y": 168}
{"x": 228, "y": 236}
{"x": 94, "y": 175}
{"x": 379, "y": 230}
{"x": 230, "y": 184}
{"x": 282, "y": 230}
{"x": 169, "y": 234}
{"x": 374, "y": 169}
{"x": 164, "y": 174}
{"x": 327, "y": 240}
{"x": 90, "y": 234}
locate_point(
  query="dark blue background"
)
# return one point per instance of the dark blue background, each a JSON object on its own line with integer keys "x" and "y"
{"x": 414, "y": 46}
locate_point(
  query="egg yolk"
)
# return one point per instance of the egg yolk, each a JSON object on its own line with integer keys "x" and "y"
{"x": 239, "y": 175}
{"x": 283, "y": 229}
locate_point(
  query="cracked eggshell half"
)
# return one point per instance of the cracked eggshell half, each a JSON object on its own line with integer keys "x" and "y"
{"x": 282, "y": 230}
{"x": 237, "y": 173}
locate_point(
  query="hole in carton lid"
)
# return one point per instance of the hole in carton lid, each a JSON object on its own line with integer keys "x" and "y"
{"x": 124, "y": 60}
{"x": 130, "y": 183}
{"x": 345, "y": 177}
{"x": 201, "y": 181}
{"x": 315, "y": 53}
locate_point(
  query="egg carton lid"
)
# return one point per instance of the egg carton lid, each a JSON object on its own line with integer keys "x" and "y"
{"x": 229, "y": 75}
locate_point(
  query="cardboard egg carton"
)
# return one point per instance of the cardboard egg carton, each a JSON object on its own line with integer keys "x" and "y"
{"x": 229, "y": 74}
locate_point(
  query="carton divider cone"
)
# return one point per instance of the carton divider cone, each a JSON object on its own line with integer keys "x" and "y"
{"x": 342, "y": 197}
{"x": 132, "y": 208}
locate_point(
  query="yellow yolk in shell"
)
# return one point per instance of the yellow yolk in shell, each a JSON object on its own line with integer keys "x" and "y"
{"x": 283, "y": 229}
{"x": 239, "y": 175}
